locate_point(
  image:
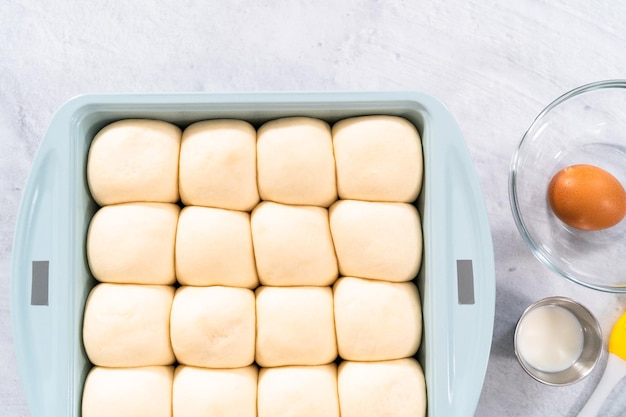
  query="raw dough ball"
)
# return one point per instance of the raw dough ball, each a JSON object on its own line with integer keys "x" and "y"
{"x": 218, "y": 165}
{"x": 302, "y": 391}
{"x": 377, "y": 320}
{"x": 214, "y": 392}
{"x": 292, "y": 245}
{"x": 213, "y": 327}
{"x": 374, "y": 389}
{"x": 295, "y": 326}
{"x": 133, "y": 243}
{"x": 379, "y": 158}
{"x": 296, "y": 163}
{"x": 214, "y": 247}
{"x": 128, "y": 325}
{"x": 128, "y": 392}
{"x": 377, "y": 240}
{"x": 134, "y": 160}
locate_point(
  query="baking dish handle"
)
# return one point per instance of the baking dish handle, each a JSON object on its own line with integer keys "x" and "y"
{"x": 472, "y": 298}
{"x": 42, "y": 299}
{"x": 461, "y": 299}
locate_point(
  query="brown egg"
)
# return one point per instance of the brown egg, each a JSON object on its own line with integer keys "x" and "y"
{"x": 587, "y": 197}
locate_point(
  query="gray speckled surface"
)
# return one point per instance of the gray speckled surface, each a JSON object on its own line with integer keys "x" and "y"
{"x": 495, "y": 64}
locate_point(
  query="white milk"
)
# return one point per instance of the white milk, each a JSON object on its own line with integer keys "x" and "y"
{"x": 550, "y": 338}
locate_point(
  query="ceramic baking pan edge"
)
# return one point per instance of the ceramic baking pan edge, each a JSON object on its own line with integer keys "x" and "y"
{"x": 50, "y": 278}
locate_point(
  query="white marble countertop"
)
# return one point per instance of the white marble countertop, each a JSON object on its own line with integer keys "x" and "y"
{"x": 495, "y": 65}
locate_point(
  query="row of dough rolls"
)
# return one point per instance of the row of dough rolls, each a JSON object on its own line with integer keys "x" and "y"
{"x": 127, "y": 325}
{"x": 352, "y": 389}
{"x": 229, "y": 164}
{"x": 275, "y": 245}
{"x": 137, "y": 334}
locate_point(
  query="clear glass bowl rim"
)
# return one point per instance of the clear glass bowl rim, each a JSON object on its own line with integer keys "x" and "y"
{"x": 513, "y": 198}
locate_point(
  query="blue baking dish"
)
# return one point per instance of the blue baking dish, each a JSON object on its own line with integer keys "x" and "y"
{"x": 50, "y": 278}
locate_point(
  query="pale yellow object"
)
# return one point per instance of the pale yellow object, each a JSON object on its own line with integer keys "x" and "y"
{"x": 214, "y": 247}
{"x": 127, "y": 325}
{"x": 133, "y": 243}
{"x": 292, "y": 245}
{"x": 128, "y": 392}
{"x": 376, "y": 240}
{"x": 614, "y": 371}
{"x": 218, "y": 165}
{"x": 617, "y": 340}
{"x": 134, "y": 160}
{"x": 215, "y": 392}
{"x": 213, "y": 327}
{"x": 302, "y": 391}
{"x": 376, "y": 320}
{"x": 379, "y": 158}
{"x": 295, "y": 326}
{"x": 373, "y": 389}
{"x": 296, "y": 163}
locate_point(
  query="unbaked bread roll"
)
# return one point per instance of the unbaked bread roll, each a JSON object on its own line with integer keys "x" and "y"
{"x": 127, "y": 325}
{"x": 295, "y": 326}
{"x": 128, "y": 392}
{"x": 214, "y": 392}
{"x": 214, "y": 247}
{"x": 376, "y": 320}
{"x": 292, "y": 245}
{"x": 296, "y": 163}
{"x": 374, "y": 389}
{"x": 213, "y": 327}
{"x": 377, "y": 240}
{"x": 133, "y": 243}
{"x": 134, "y": 160}
{"x": 218, "y": 165}
{"x": 379, "y": 158}
{"x": 302, "y": 391}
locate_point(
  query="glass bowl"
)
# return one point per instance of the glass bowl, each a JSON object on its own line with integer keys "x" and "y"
{"x": 584, "y": 126}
